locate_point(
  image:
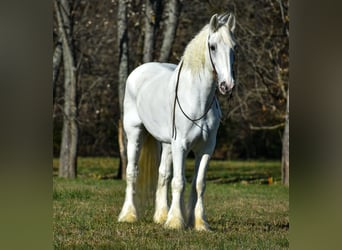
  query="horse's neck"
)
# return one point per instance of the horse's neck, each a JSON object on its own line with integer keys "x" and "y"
{"x": 196, "y": 90}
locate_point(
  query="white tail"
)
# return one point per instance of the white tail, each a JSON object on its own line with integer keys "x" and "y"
{"x": 148, "y": 171}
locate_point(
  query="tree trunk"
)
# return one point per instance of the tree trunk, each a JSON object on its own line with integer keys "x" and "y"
{"x": 123, "y": 73}
{"x": 149, "y": 32}
{"x": 170, "y": 27}
{"x": 68, "y": 153}
{"x": 153, "y": 13}
{"x": 285, "y": 154}
{"x": 56, "y": 62}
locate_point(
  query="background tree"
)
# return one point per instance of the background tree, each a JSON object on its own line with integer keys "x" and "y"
{"x": 95, "y": 43}
{"x": 56, "y": 64}
{"x": 285, "y": 159}
{"x": 152, "y": 17}
{"x": 123, "y": 73}
{"x": 173, "y": 9}
{"x": 68, "y": 153}
{"x": 285, "y": 163}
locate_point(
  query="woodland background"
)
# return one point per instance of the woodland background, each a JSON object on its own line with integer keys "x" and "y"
{"x": 254, "y": 120}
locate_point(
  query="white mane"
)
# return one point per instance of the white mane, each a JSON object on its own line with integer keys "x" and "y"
{"x": 195, "y": 52}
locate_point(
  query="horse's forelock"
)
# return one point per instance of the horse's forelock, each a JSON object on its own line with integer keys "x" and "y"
{"x": 227, "y": 36}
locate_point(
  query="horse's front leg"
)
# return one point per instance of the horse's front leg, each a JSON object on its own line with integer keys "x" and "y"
{"x": 175, "y": 218}
{"x": 193, "y": 194}
{"x": 199, "y": 221}
{"x": 196, "y": 214}
{"x": 162, "y": 207}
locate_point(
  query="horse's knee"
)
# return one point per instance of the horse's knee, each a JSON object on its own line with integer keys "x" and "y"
{"x": 131, "y": 172}
{"x": 200, "y": 188}
{"x": 164, "y": 174}
{"x": 178, "y": 184}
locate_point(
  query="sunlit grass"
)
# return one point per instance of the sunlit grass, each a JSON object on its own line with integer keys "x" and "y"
{"x": 242, "y": 214}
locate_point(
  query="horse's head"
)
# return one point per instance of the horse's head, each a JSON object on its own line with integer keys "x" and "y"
{"x": 221, "y": 50}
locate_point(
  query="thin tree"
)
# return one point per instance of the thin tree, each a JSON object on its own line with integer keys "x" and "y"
{"x": 285, "y": 172}
{"x": 170, "y": 27}
{"x": 285, "y": 160}
{"x": 56, "y": 63}
{"x": 122, "y": 76}
{"x": 68, "y": 153}
{"x": 152, "y": 17}
{"x": 149, "y": 31}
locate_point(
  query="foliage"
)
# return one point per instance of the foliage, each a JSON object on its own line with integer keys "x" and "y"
{"x": 262, "y": 62}
{"x": 242, "y": 215}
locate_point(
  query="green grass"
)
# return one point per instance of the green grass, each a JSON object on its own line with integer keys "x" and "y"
{"x": 243, "y": 212}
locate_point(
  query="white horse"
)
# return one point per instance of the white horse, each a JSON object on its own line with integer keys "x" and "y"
{"x": 176, "y": 107}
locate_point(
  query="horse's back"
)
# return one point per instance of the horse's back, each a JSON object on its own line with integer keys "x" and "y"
{"x": 146, "y": 74}
{"x": 148, "y": 93}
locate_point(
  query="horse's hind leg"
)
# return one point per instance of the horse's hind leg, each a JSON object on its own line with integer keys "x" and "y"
{"x": 162, "y": 207}
{"x": 134, "y": 138}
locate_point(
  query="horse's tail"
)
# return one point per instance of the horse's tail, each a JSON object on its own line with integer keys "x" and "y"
{"x": 148, "y": 171}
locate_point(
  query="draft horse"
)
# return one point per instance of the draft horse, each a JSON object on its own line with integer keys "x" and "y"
{"x": 170, "y": 110}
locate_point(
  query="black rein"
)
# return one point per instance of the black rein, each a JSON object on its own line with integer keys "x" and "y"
{"x": 177, "y": 99}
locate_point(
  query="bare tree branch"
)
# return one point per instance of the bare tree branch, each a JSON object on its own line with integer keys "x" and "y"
{"x": 280, "y": 125}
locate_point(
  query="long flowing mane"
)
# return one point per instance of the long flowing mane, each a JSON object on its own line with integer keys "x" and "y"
{"x": 194, "y": 54}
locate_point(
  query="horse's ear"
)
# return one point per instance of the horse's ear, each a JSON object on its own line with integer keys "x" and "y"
{"x": 231, "y": 22}
{"x": 213, "y": 23}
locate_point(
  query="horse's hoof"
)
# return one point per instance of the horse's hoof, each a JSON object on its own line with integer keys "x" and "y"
{"x": 129, "y": 215}
{"x": 128, "y": 218}
{"x": 160, "y": 216}
{"x": 174, "y": 223}
{"x": 201, "y": 225}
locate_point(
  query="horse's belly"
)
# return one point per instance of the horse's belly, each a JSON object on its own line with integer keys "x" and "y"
{"x": 155, "y": 116}
{"x": 153, "y": 105}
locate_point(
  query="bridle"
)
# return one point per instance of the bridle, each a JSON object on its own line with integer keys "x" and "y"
{"x": 211, "y": 61}
{"x": 177, "y": 99}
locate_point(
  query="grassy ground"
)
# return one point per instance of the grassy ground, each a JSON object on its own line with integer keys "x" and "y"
{"x": 244, "y": 212}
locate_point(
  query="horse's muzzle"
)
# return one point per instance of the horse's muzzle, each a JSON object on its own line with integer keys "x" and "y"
{"x": 225, "y": 87}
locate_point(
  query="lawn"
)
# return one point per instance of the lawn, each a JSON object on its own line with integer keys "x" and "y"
{"x": 244, "y": 210}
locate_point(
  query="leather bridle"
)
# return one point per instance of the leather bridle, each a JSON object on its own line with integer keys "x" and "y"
{"x": 176, "y": 100}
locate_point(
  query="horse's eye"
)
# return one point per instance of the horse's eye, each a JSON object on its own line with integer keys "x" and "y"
{"x": 213, "y": 47}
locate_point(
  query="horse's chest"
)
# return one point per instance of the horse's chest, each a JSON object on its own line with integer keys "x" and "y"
{"x": 202, "y": 132}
